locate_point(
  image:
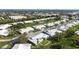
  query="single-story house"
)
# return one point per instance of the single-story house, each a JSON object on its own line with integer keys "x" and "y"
{"x": 63, "y": 20}
{"x": 50, "y": 24}
{"x": 70, "y": 24}
{"x": 36, "y": 20}
{"x": 1, "y": 18}
{"x": 30, "y": 21}
{"x": 75, "y": 22}
{"x": 78, "y": 21}
{"x": 39, "y": 27}
{"x": 17, "y": 17}
{"x": 77, "y": 32}
{"x": 22, "y": 46}
{"x": 38, "y": 38}
{"x": 4, "y": 26}
{"x": 15, "y": 23}
{"x": 4, "y": 32}
{"x": 19, "y": 22}
{"x": 27, "y": 30}
{"x": 62, "y": 27}
{"x": 57, "y": 22}
{"x": 52, "y": 32}
{"x": 44, "y": 19}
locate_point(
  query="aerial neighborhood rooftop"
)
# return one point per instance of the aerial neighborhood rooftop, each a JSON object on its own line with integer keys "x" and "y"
{"x": 39, "y": 30}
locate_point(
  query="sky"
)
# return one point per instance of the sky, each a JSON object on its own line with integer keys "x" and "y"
{"x": 39, "y": 4}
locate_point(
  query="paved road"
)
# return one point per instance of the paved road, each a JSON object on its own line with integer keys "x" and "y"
{"x": 8, "y": 40}
{"x": 29, "y": 21}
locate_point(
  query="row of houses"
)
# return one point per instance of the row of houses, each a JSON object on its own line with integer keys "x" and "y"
{"x": 67, "y": 25}
{"x": 17, "y": 17}
{"x": 31, "y": 21}
{"x": 36, "y": 38}
{"x": 39, "y": 37}
{"x": 47, "y": 33}
{"x": 4, "y": 31}
{"x": 41, "y": 27}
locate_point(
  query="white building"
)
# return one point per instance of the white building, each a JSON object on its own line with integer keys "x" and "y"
{"x": 52, "y": 32}
{"x": 62, "y": 27}
{"x": 75, "y": 22}
{"x": 39, "y": 27}
{"x": 50, "y": 24}
{"x": 17, "y": 17}
{"x": 77, "y": 32}
{"x": 15, "y": 23}
{"x": 22, "y": 46}
{"x": 44, "y": 19}
{"x": 57, "y": 22}
{"x": 4, "y": 32}
{"x": 63, "y": 20}
{"x": 30, "y": 21}
{"x": 38, "y": 38}
{"x": 4, "y": 26}
{"x": 27, "y": 30}
{"x": 70, "y": 24}
{"x": 36, "y": 20}
{"x": 1, "y": 18}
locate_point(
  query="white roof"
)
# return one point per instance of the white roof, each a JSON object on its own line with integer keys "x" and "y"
{"x": 76, "y": 22}
{"x": 36, "y": 20}
{"x": 53, "y": 31}
{"x": 43, "y": 19}
{"x": 39, "y": 37}
{"x": 50, "y": 24}
{"x": 62, "y": 27}
{"x": 22, "y": 46}
{"x": 63, "y": 20}
{"x": 17, "y": 17}
{"x": 30, "y": 21}
{"x": 77, "y": 32}
{"x": 4, "y": 32}
{"x": 15, "y": 23}
{"x": 5, "y": 26}
{"x": 39, "y": 26}
{"x": 19, "y": 22}
{"x": 57, "y": 22}
{"x": 27, "y": 30}
{"x": 70, "y": 24}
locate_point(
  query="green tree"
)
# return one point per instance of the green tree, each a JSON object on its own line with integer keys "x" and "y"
{"x": 69, "y": 33}
{"x": 58, "y": 36}
{"x": 23, "y": 38}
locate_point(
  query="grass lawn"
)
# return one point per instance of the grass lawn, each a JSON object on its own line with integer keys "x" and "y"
{"x": 4, "y": 43}
{"x": 32, "y": 24}
{"x": 45, "y": 44}
{"x": 36, "y": 30}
